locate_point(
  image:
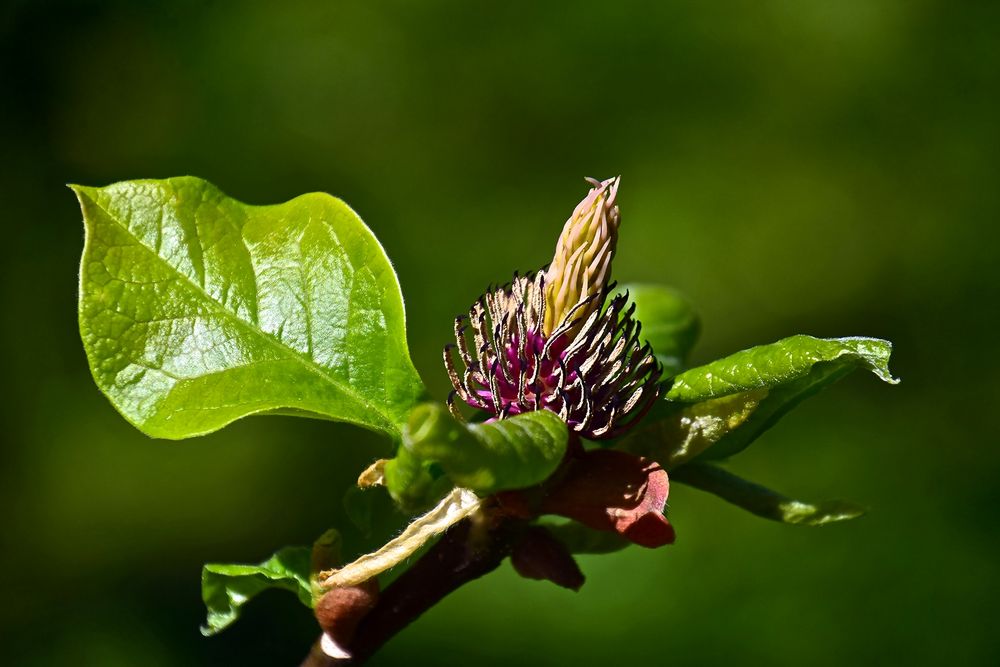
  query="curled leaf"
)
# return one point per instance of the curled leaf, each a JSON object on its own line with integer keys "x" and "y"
{"x": 412, "y": 482}
{"x": 507, "y": 454}
{"x": 779, "y": 363}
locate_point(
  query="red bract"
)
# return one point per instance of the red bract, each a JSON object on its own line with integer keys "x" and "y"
{"x": 605, "y": 490}
{"x": 611, "y": 490}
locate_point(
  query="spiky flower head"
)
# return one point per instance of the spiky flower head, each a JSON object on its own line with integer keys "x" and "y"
{"x": 587, "y": 365}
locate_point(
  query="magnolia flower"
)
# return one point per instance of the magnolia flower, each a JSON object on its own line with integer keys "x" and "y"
{"x": 551, "y": 340}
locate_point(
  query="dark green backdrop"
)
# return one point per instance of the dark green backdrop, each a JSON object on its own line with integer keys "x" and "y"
{"x": 818, "y": 167}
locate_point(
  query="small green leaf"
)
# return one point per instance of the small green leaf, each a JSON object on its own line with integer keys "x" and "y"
{"x": 510, "y": 453}
{"x": 779, "y": 363}
{"x": 669, "y": 323}
{"x": 197, "y": 310}
{"x": 226, "y": 588}
{"x": 762, "y": 501}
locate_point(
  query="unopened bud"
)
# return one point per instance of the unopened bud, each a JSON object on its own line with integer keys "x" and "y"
{"x": 581, "y": 267}
{"x": 339, "y": 612}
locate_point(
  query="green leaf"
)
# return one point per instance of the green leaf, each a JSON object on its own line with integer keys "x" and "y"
{"x": 669, "y": 323}
{"x": 771, "y": 406}
{"x": 762, "y": 501}
{"x": 413, "y": 483}
{"x": 226, "y": 588}
{"x": 197, "y": 310}
{"x": 770, "y": 379}
{"x": 511, "y": 453}
{"x": 679, "y": 433}
{"x": 779, "y": 363}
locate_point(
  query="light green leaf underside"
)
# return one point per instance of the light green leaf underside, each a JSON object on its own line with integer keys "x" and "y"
{"x": 196, "y": 309}
{"x": 680, "y": 433}
{"x": 762, "y": 501}
{"x": 511, "y": 453}
{"x": 669, "y": 323}
{"x": 226, "y": 588}
{"x": 778, "y": 363}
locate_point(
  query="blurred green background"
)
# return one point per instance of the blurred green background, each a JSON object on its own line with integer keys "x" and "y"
{"x": 830, "y": 168}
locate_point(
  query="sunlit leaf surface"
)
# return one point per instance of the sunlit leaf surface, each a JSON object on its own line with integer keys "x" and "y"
{"x": 778, "y": 363}
{"x": 196, "y": 309}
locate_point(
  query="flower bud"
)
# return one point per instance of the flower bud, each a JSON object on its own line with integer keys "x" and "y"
{"x": 581, "y": 267}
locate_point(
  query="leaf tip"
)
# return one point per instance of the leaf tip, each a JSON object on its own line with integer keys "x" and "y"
{"x": 820, "y": 514}
{"x": 80, "y": 191}
{"x": 876, "y": 352}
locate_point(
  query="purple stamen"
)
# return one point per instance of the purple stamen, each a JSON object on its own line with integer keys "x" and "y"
{"x": 594, "y": 374}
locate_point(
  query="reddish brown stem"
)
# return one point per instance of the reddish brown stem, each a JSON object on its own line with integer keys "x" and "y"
{"x": 466, "y": 552}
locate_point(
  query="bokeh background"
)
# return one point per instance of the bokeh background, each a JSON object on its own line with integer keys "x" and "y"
{"x": 794, "y": 166}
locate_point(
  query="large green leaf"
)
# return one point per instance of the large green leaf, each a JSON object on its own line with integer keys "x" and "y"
{"x": 226, "y": 588}
{"x": 196, "y": 309}
{"x": 762, "y": 501}
{"x": 779, "y": 363}
{"x": 511, "y": 453}
{"x": 669, "y": 323}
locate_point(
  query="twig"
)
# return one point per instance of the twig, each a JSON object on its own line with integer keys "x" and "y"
{"x": 466, "y": 552}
